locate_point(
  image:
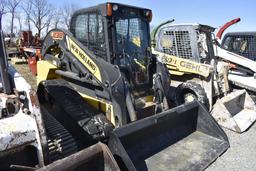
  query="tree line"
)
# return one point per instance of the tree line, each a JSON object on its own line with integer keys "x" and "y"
{"x": 35, "y": 14}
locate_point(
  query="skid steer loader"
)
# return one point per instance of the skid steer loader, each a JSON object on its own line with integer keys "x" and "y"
{"x": 241, "y": 43}
{"x": 100, "y": 81}
{"x": 188, "y": 52}
{"x": 25, "y": 143}
{"x": 238, "y": 49}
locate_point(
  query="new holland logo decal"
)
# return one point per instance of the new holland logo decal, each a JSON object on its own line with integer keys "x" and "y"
{"x": 83, "y": 58}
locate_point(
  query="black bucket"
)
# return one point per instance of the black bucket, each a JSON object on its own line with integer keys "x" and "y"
{"x": 96, "y": 157}
{"x": 183, "y": 138}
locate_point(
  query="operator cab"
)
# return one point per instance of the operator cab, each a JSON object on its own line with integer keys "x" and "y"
{"x": 188, "y": 41}
{"x": 120, "y": 35}
{"x": 242, "y": 43}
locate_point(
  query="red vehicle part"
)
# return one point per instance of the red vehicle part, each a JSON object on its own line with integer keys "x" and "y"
{"x": 32, "y": 65}
{"x": 225, "y": 26}
{"x": 26, "y": 37}
{"x": 32, "y": 55}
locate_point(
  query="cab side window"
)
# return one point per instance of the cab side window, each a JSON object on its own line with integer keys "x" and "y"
{"x": 92, "y": 29}
{"x": 226, "y": 44}
{"x": 88, "y": 28}
{"x": 80, "y": 28}
{"x": 241, "y": 44}
{"x": 100, "y": 38}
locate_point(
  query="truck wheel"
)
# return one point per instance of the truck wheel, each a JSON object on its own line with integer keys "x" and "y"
{"x": 190, "y": 91}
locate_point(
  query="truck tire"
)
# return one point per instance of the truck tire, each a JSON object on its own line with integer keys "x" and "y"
{"x": 190, "y": 91}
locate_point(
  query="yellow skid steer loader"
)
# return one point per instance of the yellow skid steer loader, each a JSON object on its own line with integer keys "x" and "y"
{"x": 100, "y": 81}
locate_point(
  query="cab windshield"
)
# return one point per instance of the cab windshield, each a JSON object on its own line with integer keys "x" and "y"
{"x": 132, "y": 42}
{"x": 132, "y": 37}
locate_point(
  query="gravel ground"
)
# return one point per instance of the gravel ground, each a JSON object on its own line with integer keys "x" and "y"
{"x": 240, "y": 156}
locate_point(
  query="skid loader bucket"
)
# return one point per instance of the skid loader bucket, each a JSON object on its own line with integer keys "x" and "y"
{"x": 236, "y": 111}
{"x": 184, "y": 138}
{"x": 96, "y": 157}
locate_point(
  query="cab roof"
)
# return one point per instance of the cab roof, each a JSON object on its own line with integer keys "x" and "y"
{"x": 102, "y": 8}
{"x": 195, "y": 25}
{"x": 244, "y": 33}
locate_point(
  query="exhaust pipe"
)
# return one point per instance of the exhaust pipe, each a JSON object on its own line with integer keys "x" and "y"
{"x": 225, "y": 26}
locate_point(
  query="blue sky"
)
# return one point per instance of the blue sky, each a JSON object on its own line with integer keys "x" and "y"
{"x": 210, "y": 12}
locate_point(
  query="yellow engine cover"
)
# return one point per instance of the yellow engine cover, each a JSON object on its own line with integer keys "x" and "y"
{"x": 45, "y": 71}
{"x": 180, "y": 66}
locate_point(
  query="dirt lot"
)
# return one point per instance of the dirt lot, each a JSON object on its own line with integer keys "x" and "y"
{"x": 239, "y": 157}
{"x": 23, "y": 69}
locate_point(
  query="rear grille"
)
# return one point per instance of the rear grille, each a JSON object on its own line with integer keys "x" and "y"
{"x": 178, "y": 44}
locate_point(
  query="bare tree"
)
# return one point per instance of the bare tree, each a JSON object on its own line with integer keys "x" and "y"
{"x": 49, "y": 20}
{"x": 54, "y": 19}
{"x": 12, "y": 6}
{"x": 18, "y": 16}
{"x": 67, "y": 11}
{"x": 57, "y": 19}
{"x": 2, "y": 11}
{"x": 26, "y": 7}
{"x": 40, "y": 12}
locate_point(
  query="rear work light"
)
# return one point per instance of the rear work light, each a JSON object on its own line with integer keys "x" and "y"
{"x": 149, "y": 15}
{"x": 109, "y": 10}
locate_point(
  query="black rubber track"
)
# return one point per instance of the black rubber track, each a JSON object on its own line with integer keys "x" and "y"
{"x": 60, "y": 142}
